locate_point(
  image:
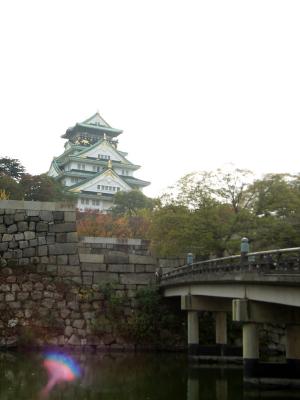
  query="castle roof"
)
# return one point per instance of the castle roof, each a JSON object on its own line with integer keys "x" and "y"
{"x": 95, "y": 125}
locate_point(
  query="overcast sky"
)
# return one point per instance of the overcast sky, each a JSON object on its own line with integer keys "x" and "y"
{"x": 193, "y": 84}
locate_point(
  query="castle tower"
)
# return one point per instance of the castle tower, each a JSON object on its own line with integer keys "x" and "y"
{"x": 92, "y": 166}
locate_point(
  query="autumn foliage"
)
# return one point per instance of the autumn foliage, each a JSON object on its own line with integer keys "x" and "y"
{"x": 107, "y": 225}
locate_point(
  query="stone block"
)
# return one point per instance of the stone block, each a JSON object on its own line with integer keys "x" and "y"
{"x": 87, "y": 279}
{"x": 36, "y": 295}
{"x": 48, "y": 303}
{"x": 151, "y": 268}
{"x": 22, "y": 295}
{"x": 105, "y": 277}
{"x": 9, "y": 219}
{"x": 24, "y": 261}
{"x": 7, "y": 255}
{"x": 62, "y": 248}
{"x": 22, "y": 226}
{"x": 32, "y": 213}
{"x": 136, "y": 279}
{"x": 68, "y": 270}
{"x": 3, "y": 246}
{"x": 64, "y": 227}
{"x": 78, "y": 323}
{"x": 70, "y": 216}
{"x": 121, "y": 268}
{"x": 62, "y": 259}
{"x": 7, "y": 237}
{"x": 50, "y": 239}
{"x": 19, "y": 236}
{"x": 18, "y": 253}
{"x": 73, "y": 259}
{"x": 91, "y": 258}
{"x": 116, "y": 257}
{"x": 72, "y": 237}
{"x": 42, "y": 227}
{"x": 42, "y": 251}
{"x": 19, "y": 216}
{"x": 13, "y": 244}
{"x": 29, "y": 235}
{"x": 41, "y": 240}
{"x": 91, "y": 267}
{"x": 52, "y": 269}
{"x": 58, "y": 215}
{"x": 23, "y": 244}
{"x": 136, "y": 259}
{"x": 74, "y": 341}
{"x": 46, "y": 215}
{"x": 12, "y": 228}
{"x": 10, "y": 297}
{"x": 61, "y": 237}
{"x": 2, "y": 228}
{"x": 140, "y": 268}
{"x": 14, "y": 304}
{"x": 29, "y": 252}
{"x": 31, "y": 226}
{"x": 33, "y": 243}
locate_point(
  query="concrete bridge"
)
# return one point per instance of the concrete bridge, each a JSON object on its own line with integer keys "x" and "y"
{"x": 255, "y": 288}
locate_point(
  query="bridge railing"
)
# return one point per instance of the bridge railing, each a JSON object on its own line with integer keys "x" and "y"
{"x": 271, "y": 261}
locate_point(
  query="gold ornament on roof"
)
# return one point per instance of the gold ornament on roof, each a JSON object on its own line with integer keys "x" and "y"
{"x": 109, "y": 164}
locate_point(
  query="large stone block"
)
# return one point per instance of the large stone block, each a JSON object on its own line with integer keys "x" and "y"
{"x": 7, "y": 237}
{"x": 90, "y": 267}
{"x": 46, "y": 215}
{"x": 62, "y": 259}
{"x": 136, "y": 279}
{"x": 58, "y": 215}
{"x": 64, "y": 227}
{"x": 22, "y": 226}
{"x": 2, "y": 228}
{"x": 42, "y": 227}
{"x": 62, "y": 248}
{"x": 121, "y": 268}
{"x": 19, "y": 216}
{"x": 9, "y": 219}
{"x": 29, "y": 235}
{"x": 23, "y": 244}
{"x": 91, "y": 258}
{"x": 42, "y": 251}
{"x": 73, "y": 259}
{"x": 116, "y": 257}
{"x": 68, "y": 270}
{"x": 70, "y": 216}
{"x": 29, "y": 252}
{"x": 19, "y": 236}
{"x": 136, "y": 259}
{"x": 61, "y": 237}
{"x": 12, "y": 228}
{"x": 3, "y": 246}
{"x": 105, "y": 277}
{"x": 72, "y": 237}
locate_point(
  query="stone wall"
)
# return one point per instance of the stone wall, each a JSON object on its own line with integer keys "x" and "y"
{"x": 53, "y": 289}
{"x": 37, "y": 233}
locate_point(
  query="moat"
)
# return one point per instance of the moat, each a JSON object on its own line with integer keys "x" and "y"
{"x": 126, "y": 376}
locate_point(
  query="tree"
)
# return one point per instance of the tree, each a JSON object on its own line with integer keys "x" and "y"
{"x": 11, "y": 187}
{"x": 128, "y": 203}
{"x": 43, "y": 188}
{"x": 11, "y": 167}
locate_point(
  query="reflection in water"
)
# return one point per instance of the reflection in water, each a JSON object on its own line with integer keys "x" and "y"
{"x": 123, "y": 377}
{"x": 60, "y": 368}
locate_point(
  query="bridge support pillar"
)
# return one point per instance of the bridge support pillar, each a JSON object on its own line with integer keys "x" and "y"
{"x": 221, "y": 327}
{"x": 293, "y": 349}
{"x": 250, "y": 349}
{"x": 193, "y": 331}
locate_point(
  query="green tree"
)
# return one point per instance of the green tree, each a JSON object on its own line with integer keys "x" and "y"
{"x": 11, "y": 167}
{"x": 11, "y": 187}
{"x": 129, "y": 203}
{"x": 43, "y": 188}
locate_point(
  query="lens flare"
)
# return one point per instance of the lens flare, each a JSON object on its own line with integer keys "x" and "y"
{"x": 60, "y": 368}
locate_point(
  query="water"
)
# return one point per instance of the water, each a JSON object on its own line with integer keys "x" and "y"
{"x": 125, "y": 377}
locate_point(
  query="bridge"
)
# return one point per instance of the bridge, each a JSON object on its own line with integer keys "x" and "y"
{"x": 254, "y": 288}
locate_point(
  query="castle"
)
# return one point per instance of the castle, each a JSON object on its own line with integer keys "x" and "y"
{"x": 92, "y": 166}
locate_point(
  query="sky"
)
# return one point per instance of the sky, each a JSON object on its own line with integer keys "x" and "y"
{"x": 194, "y": 85}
